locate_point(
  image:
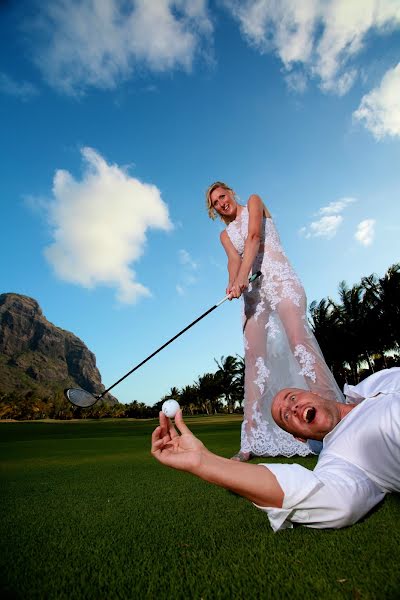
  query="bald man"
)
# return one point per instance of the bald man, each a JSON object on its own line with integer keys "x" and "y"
{"x": 358, "y": 466}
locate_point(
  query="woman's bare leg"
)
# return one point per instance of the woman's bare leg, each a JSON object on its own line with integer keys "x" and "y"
{"x": 256, "y": 372}
{"x": 306, "y": 350}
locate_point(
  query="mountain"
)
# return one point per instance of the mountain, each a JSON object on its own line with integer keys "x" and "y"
{"x": 37, "y": 356}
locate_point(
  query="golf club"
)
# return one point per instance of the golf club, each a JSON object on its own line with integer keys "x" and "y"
{"x": 84, "y": 399}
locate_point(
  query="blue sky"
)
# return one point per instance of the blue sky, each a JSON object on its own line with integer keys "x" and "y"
{"x": 115, "y": 117}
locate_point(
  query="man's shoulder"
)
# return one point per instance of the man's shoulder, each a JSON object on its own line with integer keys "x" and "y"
{"x": 381, "y": 382}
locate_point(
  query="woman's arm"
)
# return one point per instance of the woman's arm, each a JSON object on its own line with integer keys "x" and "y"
{"x": 256, "y": 211}
{"x": 234, "y": 260}
{"x": 187, "y": 453}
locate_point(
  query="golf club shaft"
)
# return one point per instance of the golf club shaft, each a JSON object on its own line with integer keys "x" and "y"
{"x": 252, "y": 278}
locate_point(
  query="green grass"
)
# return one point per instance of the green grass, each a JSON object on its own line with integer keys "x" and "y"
{"x": 87, "y": 513}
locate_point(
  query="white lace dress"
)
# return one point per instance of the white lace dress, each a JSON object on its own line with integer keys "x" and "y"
{"x": 280, "y": 348}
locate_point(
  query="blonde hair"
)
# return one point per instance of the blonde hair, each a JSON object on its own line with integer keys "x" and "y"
{"x": 212, "y": 213}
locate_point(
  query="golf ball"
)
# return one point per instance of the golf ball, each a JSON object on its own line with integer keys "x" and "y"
{"x": 170, "y": 408}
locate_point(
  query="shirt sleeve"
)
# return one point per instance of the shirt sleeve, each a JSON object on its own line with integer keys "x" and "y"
{"x": 297, "y": 483}
{"x": 386, "y": 381}
{"x": 335, "y": 496}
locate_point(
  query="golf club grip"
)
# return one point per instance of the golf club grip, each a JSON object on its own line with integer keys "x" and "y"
{"x": 255, "y": 275}
{"x": 252, "y": 278}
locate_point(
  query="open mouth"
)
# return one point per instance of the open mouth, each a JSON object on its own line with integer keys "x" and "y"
{"x": 309, "y": 414}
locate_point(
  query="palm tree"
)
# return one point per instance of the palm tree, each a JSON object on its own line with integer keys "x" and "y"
{"x": 173, "y": 394}
{"x": 11, "y": 406}
{"x": 365, "y": 325}
{"x": 383, "y": 295}
{"x": 209, "y": 390}
{"x": 189, "y": 399}
{"x": 238, "y": 393}
{"x": 390, "y": 298}
{"x": 228, "y": 371}
{"x": 117, "y": 411}
{"x": 354, "y": 318}
{"x": 325, "y": 323}
{"x": 379, "y": 337}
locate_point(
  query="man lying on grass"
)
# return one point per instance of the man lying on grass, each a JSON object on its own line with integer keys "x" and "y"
{"x": 359, "y": 463}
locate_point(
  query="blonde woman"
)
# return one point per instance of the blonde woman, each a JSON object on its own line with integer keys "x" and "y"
{"x": 280, "y": 348}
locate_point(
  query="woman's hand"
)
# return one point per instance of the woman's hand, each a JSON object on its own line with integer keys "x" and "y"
{"x": 239, "y": 286}
{"x": 183, "y": 452}
{"x": 229, "y": 287}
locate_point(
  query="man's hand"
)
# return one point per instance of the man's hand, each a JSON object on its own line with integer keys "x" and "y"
{"x": 180, "y": 451}
{"x": 185, "y": 452}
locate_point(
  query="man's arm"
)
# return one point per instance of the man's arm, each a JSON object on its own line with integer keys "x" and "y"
{"x": 187, "y": 453}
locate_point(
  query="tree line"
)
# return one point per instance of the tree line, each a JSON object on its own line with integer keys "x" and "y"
{"x": 358, "y": 335}
{"x": 221, "y": 391}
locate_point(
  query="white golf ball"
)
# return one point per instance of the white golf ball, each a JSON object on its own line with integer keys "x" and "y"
{"x": 170, "y": 408}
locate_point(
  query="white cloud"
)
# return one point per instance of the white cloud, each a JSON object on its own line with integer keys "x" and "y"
{"x": 336, "y": 207}
{"x": 20, "y": 89}
{"x": 325, "y": 227}
{"x": 99, "y": 226}
{"x": 285, "y": 27}
{"x": 187, "y": 273}
{"x": 37, "y": 204}
{"x": 296, "y": 81}
{"x": 322, "y": 36}
{"x": 365, "y": 232}
{"x": 379, "y": 110}
{"x": 97, "y": 44}
{"x": 328, "y": 224}
{"x": 186, "y": 259}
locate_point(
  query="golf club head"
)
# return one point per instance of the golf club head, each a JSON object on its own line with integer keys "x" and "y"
{"x": 79, "y": 397}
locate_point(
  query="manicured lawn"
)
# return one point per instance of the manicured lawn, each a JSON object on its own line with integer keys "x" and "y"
{"x": 87, "y": 513}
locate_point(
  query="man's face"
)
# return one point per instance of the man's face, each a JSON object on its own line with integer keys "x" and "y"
{"x": 304, "y": 414}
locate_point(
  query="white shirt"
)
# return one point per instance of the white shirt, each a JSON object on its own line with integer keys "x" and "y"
{"x": 359, "y": 463}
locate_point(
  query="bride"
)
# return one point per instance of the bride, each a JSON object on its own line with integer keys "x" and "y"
{"x": 280, "y": 348}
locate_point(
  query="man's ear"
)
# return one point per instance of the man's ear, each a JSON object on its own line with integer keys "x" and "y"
{"x": 300, "y": 439}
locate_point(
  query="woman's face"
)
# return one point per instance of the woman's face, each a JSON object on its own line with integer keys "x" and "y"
{"x": 223, "y": 201}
